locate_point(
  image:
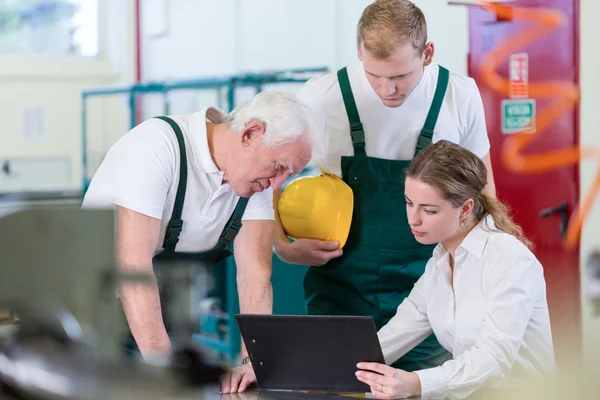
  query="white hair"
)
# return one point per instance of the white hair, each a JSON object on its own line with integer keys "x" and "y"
{"x": 285, "y": 117}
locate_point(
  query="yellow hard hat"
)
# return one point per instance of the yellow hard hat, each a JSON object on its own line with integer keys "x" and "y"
{"x": 317, "y": 207}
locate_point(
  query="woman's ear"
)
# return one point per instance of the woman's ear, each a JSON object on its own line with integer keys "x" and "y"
{"x": 466, "y": 209}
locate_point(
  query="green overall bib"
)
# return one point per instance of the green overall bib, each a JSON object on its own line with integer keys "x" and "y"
{"x": 381, "y": 260}
{"x": 209, "y": 257}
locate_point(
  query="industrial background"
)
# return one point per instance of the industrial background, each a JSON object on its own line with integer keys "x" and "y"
{"x": 75, "y": 75}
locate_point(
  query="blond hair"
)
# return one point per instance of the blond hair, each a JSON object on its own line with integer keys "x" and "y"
{"x": 459, "y": 175}
{"x": 386, "y": 25}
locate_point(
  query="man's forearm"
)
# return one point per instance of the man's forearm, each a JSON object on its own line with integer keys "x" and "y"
{"x": 255, "y": 294}
{"x": 141, "y": 304}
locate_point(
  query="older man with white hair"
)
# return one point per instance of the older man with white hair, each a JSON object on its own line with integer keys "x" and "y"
{"x": 183, "y": 186}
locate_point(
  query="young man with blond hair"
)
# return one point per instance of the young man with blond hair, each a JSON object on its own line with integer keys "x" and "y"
{"x": 377, "y": 115}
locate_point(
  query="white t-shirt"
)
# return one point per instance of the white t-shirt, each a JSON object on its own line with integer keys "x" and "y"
{"x": 392, "y": 133}
{"x": 141, "y": 172}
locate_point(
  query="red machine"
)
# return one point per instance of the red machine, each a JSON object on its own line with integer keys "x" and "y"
{"x": 542, "y": 202}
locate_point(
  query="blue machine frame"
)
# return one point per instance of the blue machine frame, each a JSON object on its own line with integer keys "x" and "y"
{"x": 217, "y": 331}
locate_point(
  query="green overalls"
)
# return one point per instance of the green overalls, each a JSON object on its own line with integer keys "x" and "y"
{"x": 381, "y": 260}
{"x": 209, "y": 257}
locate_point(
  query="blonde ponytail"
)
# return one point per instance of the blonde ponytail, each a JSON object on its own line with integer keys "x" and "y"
{"x": 501, "y": 216}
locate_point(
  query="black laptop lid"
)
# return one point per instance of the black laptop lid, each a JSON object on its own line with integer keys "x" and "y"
{"x": 292, "y": 352}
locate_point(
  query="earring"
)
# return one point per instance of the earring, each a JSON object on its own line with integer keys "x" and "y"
{"x": 463, "y": 225}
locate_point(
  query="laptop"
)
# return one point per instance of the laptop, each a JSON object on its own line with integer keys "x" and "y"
{"x": 309, "y": 352}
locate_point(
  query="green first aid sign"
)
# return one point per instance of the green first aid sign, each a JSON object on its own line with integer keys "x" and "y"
{"x": 518, "y": 116}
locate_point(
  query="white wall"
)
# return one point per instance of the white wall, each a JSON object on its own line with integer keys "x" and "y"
{"x": 275, "y": 34}
{"x": 221, "y": 37}
{"x": 590, "y": 136}
{"x": 118, "y": 38}
{"x": 108, "y": 116}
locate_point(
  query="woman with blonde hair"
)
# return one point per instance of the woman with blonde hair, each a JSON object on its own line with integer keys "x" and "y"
{"x": 483, "y": 293}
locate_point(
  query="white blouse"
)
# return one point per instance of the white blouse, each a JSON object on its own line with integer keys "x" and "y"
{"x": 491, "y": 314}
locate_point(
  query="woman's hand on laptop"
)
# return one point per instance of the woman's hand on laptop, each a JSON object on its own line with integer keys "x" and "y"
{"x": 387, "y": 382}
{"x": 237, "y": 379}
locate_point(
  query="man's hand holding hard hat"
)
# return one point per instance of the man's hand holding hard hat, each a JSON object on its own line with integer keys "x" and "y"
{"x": 316, "y": 212}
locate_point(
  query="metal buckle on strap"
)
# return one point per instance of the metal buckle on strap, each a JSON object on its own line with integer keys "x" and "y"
{"x": 237, "y": 225}
{"x": 422, "y": 143}
{"x": 428, "y": 133}
{"x": 232, "y": 231}
{"x": 174, "y": 229}
{"x": 357, "y": 133}
{"x": 172, "y": 234}
{"x": 170, "y": 242}
{"x": 356, "y": 126}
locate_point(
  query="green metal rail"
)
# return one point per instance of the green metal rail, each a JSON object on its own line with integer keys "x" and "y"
{"x": 219, "y": 331}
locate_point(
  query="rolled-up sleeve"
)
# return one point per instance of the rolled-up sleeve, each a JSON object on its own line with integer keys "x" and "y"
{"x": 136, "y": 173}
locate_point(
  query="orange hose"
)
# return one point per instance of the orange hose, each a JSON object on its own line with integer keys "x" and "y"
{"x": 565, "y": 94}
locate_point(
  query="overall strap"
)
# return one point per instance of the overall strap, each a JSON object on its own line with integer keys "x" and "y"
{"x": 434, "y": 111}
{"x": 221, "y": 249}
{"x": 232, "y": 228}
{"x": 176, "y": 223}
{"x": 357, "y": 131}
